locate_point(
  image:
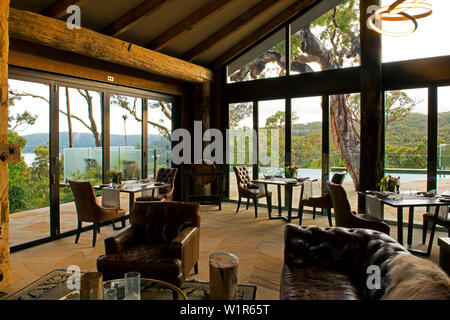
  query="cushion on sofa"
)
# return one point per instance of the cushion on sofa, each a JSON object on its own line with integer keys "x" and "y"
{"x": 148, "y": 261}
{"x": 316, "y": 283}
{"x": 413, "y": 278}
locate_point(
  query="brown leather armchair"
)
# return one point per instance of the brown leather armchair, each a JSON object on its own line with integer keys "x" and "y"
{"x": 247, "y": 189}
{"x": 162, "y": 242}
{"x": 324, "y": 201}
{"x": 89, "y": 209}
{"x": 332, "y": 263}
{"x": 346, "y": 218}
{"x": 166, "y": 175}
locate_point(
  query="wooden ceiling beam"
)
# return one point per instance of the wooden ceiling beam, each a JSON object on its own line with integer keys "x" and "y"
{"x": 208, "y": 10}
{"x": 123, "y": 23}
{"x": 54, "y": 33}
{"x": 58, "y": 9}
{"x": 229, "y": 29}
{"x": 261, "y": 32}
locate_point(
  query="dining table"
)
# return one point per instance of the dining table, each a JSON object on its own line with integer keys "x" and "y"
{"x": 289, "y": 185}
{"x": 133, "y": 187}
{"x": 411, "y": 201}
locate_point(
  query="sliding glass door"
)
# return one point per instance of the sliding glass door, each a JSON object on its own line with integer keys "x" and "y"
{"x": 80, "y": 146}
{"x": 29, "y": 180}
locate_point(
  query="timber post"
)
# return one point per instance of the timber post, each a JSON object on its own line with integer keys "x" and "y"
{"x": 4, "y": 201}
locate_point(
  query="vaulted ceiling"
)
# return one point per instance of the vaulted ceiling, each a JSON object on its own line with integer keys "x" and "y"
{"x": 205, "y": 32}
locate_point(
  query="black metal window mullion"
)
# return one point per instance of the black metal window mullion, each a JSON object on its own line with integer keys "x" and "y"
{"x": 325, "y": 142}
{"x": 432, "y": 162}
{"x": 288, "y": 49}
{"x": 255, "y": 127}
{"x": 54, "y": 160}
{"x": 288, "y": 133}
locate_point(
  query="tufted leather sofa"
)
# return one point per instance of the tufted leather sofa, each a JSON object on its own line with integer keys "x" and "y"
{"x": 247, "y": 189}
{"x": 162, "y": 242}
{"x": 166, "y": 175}
{"x": 331, "y": 263}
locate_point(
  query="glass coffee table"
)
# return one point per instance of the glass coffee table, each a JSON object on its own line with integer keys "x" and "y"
{"x": 151, "y": 289}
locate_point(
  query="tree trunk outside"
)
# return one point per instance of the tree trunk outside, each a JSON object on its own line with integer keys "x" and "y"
{"x": 69, "y": 118}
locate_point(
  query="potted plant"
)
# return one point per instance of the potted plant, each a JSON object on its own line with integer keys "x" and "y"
{"x": 115, "y": 176}
{"x": 389, "y": 183}
{"x": 291, "y": 171}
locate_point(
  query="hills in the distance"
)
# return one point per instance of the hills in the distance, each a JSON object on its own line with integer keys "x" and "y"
{"x": 86, "y": 140}
{"x": 409, "y": 132}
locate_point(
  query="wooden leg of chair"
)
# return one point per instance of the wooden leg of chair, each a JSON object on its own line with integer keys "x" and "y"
{"x": 239, "y": 204}
{"x": 256, "y": 207}
{"x": 248, "y": 203}
{"x": 314, "y": 212}
{"x": 98, "y": 228}
{"x": 196, "y": 268}
{"x": 94, "y": 234}
{"x": 300, "y": 215}
{"x": 269, "y": 203}
{"x": 77, "y": 237}
{"x": 329, "y": 216}
{"x": 424, "y": 231}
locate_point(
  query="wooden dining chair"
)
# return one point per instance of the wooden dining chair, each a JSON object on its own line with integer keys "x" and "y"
{"x": 89, "y": 208}
{"x": 250, "y": 191}
{"x": 344, "y": 215}
{"x": 443, "y": 220}
{"x": 323, "y": 201}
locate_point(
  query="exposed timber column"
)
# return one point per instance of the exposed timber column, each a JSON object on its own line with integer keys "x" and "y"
{"x": 4, "y": 202}
{"x": 372, "y": 111}
{"x": 202, "y": 101}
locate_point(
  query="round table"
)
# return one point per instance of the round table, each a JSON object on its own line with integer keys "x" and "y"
{"x": 151, "y": 289}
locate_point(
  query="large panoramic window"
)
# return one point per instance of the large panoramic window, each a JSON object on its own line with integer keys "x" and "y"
{"x": 406, "y": 149}
{"x": 429, "y": 40}
{"x": 29, "y": 183}
{"x": 80, "y": 145}
{"x": 271, "y": 54}
{"x": 443, "y": 175}
{"x": 159, "y": 135}
{"x": 345, "y": 141}
{"x": 240, "y": 143}
{"x": 306, "y": 140}
{"x": 271, "y": 139}
{"x": 329, "y": 42}
{"x": 126, "y": 136}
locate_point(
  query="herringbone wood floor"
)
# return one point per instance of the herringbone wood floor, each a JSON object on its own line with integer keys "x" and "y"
{"x": 257, "y": 242}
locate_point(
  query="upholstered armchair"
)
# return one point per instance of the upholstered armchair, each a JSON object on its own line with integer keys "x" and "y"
{"x": 161, "y": 242}
{"x": 166, "y": 175}
{"x": 90, "y": 210}
{"x": 346, "y": 218}
{"x": 248, "y": 190}
{"x": 323, "y": 202}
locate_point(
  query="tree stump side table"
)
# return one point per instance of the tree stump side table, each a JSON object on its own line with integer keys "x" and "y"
{"x": 223, "y": 276}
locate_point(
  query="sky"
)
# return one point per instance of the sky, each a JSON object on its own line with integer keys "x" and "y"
{"x": 78, "y": 108}
{"x": 430, "y": 39}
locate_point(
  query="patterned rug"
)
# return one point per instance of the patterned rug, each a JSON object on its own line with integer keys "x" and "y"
{"x": 53, "y": 287}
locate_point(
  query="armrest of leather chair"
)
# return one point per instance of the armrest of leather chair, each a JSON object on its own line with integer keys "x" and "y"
{"x": 120, "y": 240}
{"x": 359, "y": 221}
{"x": 186, "y": 246}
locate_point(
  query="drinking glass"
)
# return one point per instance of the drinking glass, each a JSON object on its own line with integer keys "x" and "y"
{"x": 132, "y": 286}
{"x": 91, "y": 286}
{"x": 110, "y": 293}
